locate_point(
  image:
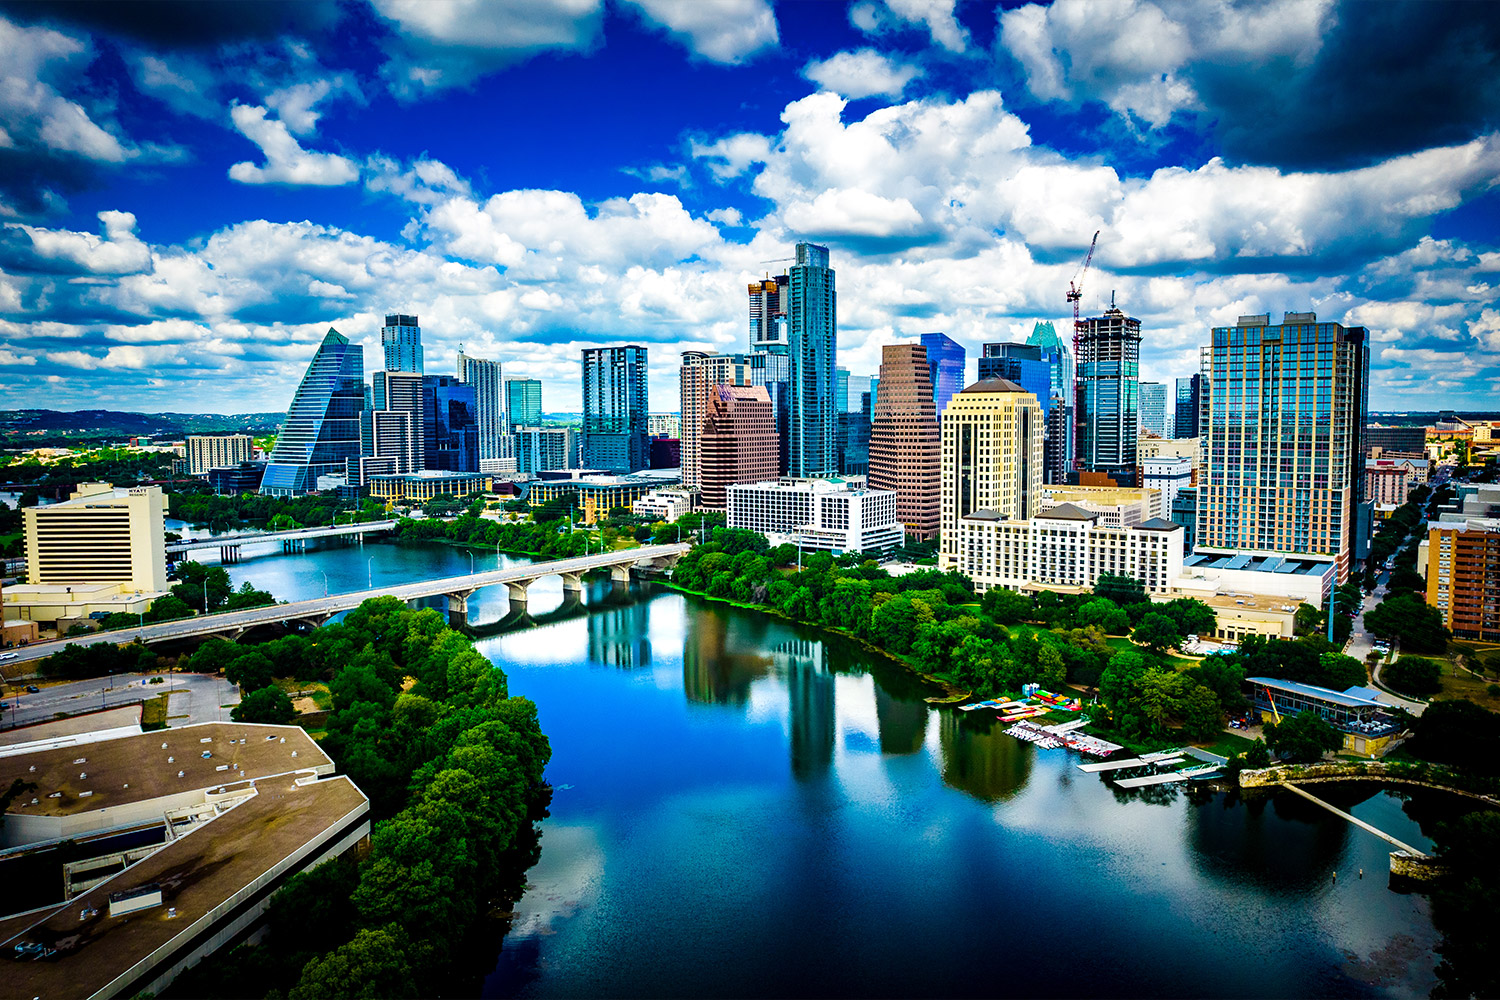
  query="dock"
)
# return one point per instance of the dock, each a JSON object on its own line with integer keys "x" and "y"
{"x": 1355, "y": 820}
{"x": 1112, "y": 765}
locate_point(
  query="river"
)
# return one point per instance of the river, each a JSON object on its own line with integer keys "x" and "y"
{"x": 749, "y": 808}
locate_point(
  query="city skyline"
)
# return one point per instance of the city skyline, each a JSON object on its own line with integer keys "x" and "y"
{"x": 188, "y": 207}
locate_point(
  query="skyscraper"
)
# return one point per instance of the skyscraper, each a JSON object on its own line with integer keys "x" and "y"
{"x": 496, "y": 443}
{"x": 946, "y": 358}
{"x": 991, "y": 458}
{"x": 1107, "y": 411}
{"x": 616, "y": 409}
{"x": 768, "y": 329}
{"x": 904, "y": 443}
{"x": 1189, "y": 407}
{"x": 812, "y": 338}
{"x": 1154, "y": 408}
{"x": 1285, "y": 413}
{"x": 523, "y": 402}
{"x": 738, "y": 440}
{"x": 391, "y": 432}
{"x": 1055, "y": 352}
{"x": 1060, "y": 427}
{"x": 841, "y": 390}
{"x": 1037, "y": 370}
{"x": 450, "y": 425}
{"x": 321, "y": 430}
{"x": 401, "y": 338}
{"x": 700, "y": 373}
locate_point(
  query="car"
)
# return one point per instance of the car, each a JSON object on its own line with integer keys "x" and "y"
{"x": 32, "y": 689}
{"x": 9, "y": 656}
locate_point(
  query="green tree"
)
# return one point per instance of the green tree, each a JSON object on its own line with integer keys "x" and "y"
{"x": 1411, "y": 621}
{"x": 194, "y": 578}
{"x": 1157, "y": 632}
{"x": 1303, "y": 738}
{"x": 1006, "y": 606}
{"x": 170, "y": 608}
{"x": 1202, "y": 716}
{"x": 251, "y": 670}
{"x": 1458, "y": 733}
{"x": 893, "y": 624}
{"x": 1120, "y": 589}
{"x": 1464, "y": 904}
{"x": 371, "y": 967}
{"x": 1051, "y": 672}
{"x": 1258, "y": 755}
{"x": 1192, "y": 616}
{"x": 1414, "y": 675}
{"x": 268, "y": 704}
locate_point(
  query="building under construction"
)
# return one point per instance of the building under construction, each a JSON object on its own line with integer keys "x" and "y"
{"x": 1107, "y": 350}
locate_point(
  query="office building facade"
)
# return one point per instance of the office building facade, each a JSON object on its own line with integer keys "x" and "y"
{"x": 216, "y": 451}
{"x": 737, "y": 442}
{"x": 539, "y": 449}
{"x": 699, "y": 374}
{"x": 1187, "y": 407}
{"x": 496, "y": 443}
{"x": 1463, "y": 576}
{"x": 904, "y": 441}
{"x": 100, "y": 534}
{"x": 812, "y": 338}
{"x": 817, "y": 514}
{"x": 450, "y": 424}
{"x": 1038, "y": 370}
{"x": 1154, "y": 409}
{"x": 1106, "y": 399}
{"x": 401, "y": 340}
{"x": 991, "y": 458}
{"x": 321, "y": 432}
{"x": 946, "y": 359}
{"x": 523, "y": 402}
{"x": 1283, "y": 464}
{"x": 616, "y": 409}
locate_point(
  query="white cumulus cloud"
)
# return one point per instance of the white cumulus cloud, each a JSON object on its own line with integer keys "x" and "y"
{"x": 862, "y": 73}
{"x": 721, "y": 31}
{"x": 286, "y": 161}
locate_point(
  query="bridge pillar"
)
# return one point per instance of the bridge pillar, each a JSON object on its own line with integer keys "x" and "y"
{"x": 620, "y": 573}
{"x": 516, "y": 590}
{"x": 458, "y": 608}
{"x": 572, "y": 583}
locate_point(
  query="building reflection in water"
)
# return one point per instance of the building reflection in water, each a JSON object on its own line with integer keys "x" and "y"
{"x": 902, "y": 722}
{"x": 619, "y": 636}
{"x": 810, "y": 693}
{"x": 979, "y": 759}
{"x": 718, "y": 665}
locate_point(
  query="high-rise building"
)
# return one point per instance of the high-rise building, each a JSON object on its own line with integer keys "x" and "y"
{"x": 321, "y": 431}
{"x": 1188, "y": 408}
{"x": 768, "y": 326}
{"x": 539, "y": 449}
{"x": 1060, "y": 426}
{"x": 616, "y": 409}
{"x": 401, "y": 339}
{"x": 860, "y": 386}
{"x": 1055, "y": 352}
{"x": 523, "y": 402}
{"x": 1283, "y": 465}
{"x": 664, "y": 425}
{"x": 450, "y": 424}
{"x": 699, "y": 374}
{"x": 841, "y": 390}
{"x": 100, "y": 534}
{"x": 946, "y": 358}
{"x": 812, "y": 337}
{"x": 1154, "y": 408}
{"x": 904, "y": 442}
{"x": 216, "y": 451}
{"x": 738, "y": 441}
{"x": 496, "y": 443}
{"x": 1037, "y": 369}
{"x": 991, "y": 458}
{"x": 1463, "y": 575}
{"x": 1107, "y": 408}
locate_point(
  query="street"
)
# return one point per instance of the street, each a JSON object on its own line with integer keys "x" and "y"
{"x": 198, "y": 698}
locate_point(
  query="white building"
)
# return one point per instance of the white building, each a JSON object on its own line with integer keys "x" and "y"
{"x": 1264, "y": 574}
{"x": 1065, "y": 549}
{"x": 1117, "y": 506}
{"x": 216, "y": 451}
{"x": 664, "y": 505}
{"x": 836, "y": 515}
{"x": 1168, "y": 474}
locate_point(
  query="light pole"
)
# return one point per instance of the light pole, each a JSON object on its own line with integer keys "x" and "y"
{"x": 370, "y": 571}
{"x": 471, "y": 564}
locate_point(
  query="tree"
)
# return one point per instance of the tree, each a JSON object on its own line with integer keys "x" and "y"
{"x": 1118, "y": 682}
{"x": 1202, "y": 716}
{"x": 1050, "y": 671}
{"x": 1157, "y": 632}
{"x": 1006, "y": 606}
{"x": 1458, "y": 732}
{"x": 170, "y": 607}
{"x": 374, "y": 965}
{"x": 1258, "y": 755}
{"x": 1192, "y": 616}
{"x": 1339, "y": 672}
{"x": 269, "y": 704}
{"x": 251, "y": 670}
{"x": 194, "y": 579}
{"x": 1464, "y": 906}
{"x": 1225, "y": 679}
{"x": 1120, "y": 589}
{"x": 1303, "y": 738}
{"x": 1415, "y": 675}
{"x": 893, "y": 624}
{"x": 1410, "y": 620}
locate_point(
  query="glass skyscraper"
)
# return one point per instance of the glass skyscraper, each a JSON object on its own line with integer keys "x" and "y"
{"x": 523, "y": 402}
{"x": 401, "y": 338}
{"x": 321, "y": 431}
{"x": 1189, "y": 407}
{"x": 946, "y": 358}
{"x": 496, "y": 445}
{"x": 1107, "y": 411}
{"x": 450, "y": 425}
{"x": 1283, "y": 466}
{"x": 616, "y": 409}
{"x": 812, "y": 339}
{"x": 1154, "y": 408}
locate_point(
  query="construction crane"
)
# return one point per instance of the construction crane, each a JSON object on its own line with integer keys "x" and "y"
{"x": 1075, "y": 287}
{"x": 778, "y": 260}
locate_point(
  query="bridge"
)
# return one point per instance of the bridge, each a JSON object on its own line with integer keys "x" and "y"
{"x": 457, "y": 589}
{"x": 291, "y": 540}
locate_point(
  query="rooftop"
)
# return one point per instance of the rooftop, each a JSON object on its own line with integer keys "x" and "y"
{"x": 197, "y": 873}
{"x": 1067, "y": 512}
{"x": 994, "y": 385}
{"x": 1253, "y": 563}
{"x": 1342, "y": 698}
{"x": 77, "y": 779}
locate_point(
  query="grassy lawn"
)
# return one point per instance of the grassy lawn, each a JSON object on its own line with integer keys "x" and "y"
{"x": 321, "y": 697}
{"x": 1462, "y": 684}
{"x": 1228, "y": 744}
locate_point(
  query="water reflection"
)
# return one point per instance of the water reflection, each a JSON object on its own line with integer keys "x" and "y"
{"x": 978, "y": 758}
{"x": 810, "y": 694}
{"x": 715, "y": 669}
{"x": 902, "y": 722}
{"x": 619, "y": 636}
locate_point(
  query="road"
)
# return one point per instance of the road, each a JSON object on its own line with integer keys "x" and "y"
{"x": 198, "y": 697}
{"x": 321, "y": 608}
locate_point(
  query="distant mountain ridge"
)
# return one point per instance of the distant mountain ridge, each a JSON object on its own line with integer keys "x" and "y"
{"x": 25, "y": 424}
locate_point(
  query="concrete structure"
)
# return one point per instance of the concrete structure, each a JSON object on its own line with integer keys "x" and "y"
{"x": 1283, "y": 458}
{"x": 243, "y": 477}
{"x": 594, "y": 495}
{"x": 1168, "y": 475}
{"x": 835, "y": 515}
{"x": 244, "y": 808}
{"x": 392, "y": 439}
{"x": 1355, "y": 713}
{"x": 1107, "y": 407}
{"x": 1241, "y": 615}
{"x": 699, "y": 373}
{"x": 1117, "y": 506}
{"x": 1264, "y": 574}
{"x": 1180, "y": 447}
{"x": 1065, "y": 549}
{"x": 99, "y": 535}
{"x": 321, "y": 431}
{"x": 1154, "y": 414}
{"x": 664, "y": 505}
{"x": 1462, "y": 564}
{"x": 946, "y": 359}
{"x": 904, "y": 443}
{"x": 496, "y": 443}
{"x": 615, "y": 407}
{"x": 60, "y": 607}
{"x": 1184, "y": 512}
{"x": 991, "y": 457}
{"x": 216, "y": 451}
{"x": 667, "y": 425}
{"x": 428, "y": 484}
{"x": 542, "y": 448}
{"x": 401, "y": 341}
{"x": 737, "y": 442}
{"x": 1391, "y": 480}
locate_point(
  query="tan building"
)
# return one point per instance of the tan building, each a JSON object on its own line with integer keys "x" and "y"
{"x": 1391, "y": 480}
{"x": 738, "y": 443}
{"x": 99, "y": 535}
{"x": 1239, "y": 615}
{"x": 429, "y": 484}
{"x": 699, "y": 373}
{"x": 216, "y": 451}
{"x": 1463, "y": 576}
{"x": 1153, "y": 447}
{"x": 905, "y": 455}
{"x": 991, "y": 458}
{"x": 1121, "y": 506}
{"x": 595, "y": 495}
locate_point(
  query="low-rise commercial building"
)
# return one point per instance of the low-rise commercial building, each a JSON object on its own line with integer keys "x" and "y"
{"x": 1241, "y": 615}
{"x": 1119, "y": 506}
{"x": 1363, "y": 721}
{"x": 242, "y": 477}
{"x": 833, "y": 515}
{"x": 1267, "y": 574}
{"x": 1065, "y": 549}
{"x": 664, "y": 505}
{"x": 595, "y": 495}
{"x": 428, "y": 484}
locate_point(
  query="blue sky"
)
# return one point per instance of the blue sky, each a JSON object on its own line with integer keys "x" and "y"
{"x": 191, "y": 193}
